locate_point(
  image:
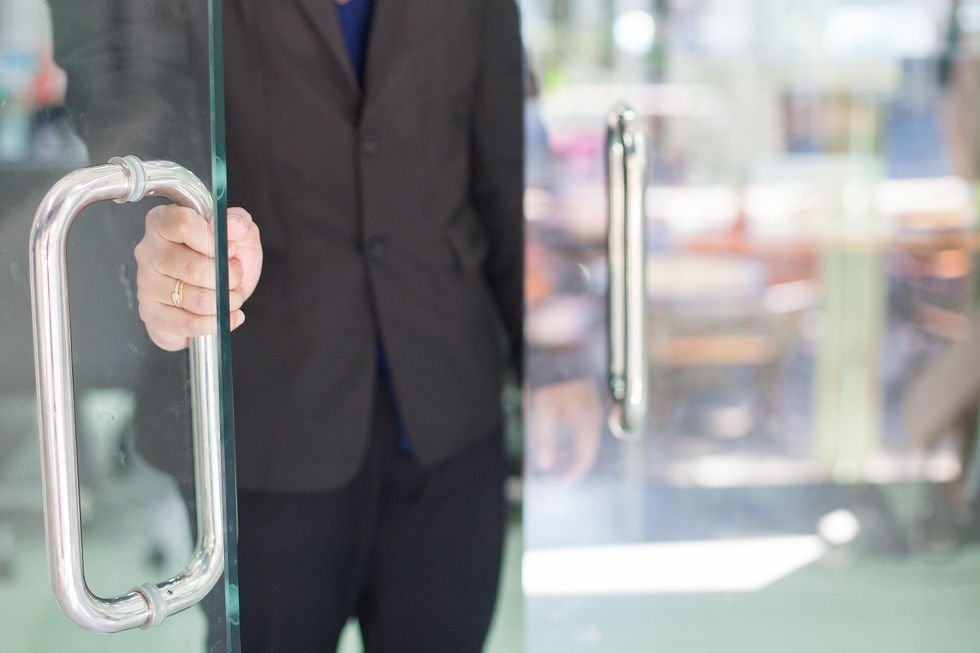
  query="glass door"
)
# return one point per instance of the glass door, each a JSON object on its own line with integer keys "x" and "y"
{"x": 117, "y": 505}
{"x": 752, "y": 227}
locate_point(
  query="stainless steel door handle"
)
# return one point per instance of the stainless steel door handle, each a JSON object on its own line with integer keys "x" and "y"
{"x": 627, "y": 166}
{"x": 125, "y": 179}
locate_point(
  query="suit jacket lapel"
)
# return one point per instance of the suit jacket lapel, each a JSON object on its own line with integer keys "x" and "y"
{"x": 323, "y": 15}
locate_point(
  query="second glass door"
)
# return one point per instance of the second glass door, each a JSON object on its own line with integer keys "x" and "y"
{"x": 807, "y": 476}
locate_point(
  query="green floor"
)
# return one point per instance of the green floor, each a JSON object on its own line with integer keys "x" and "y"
{"x": 839, "y": 604}
{"x": 875, "y": 608}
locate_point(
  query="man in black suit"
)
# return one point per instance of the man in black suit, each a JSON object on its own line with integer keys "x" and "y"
{"x": 387, "y": 180}
{"x": 378, "y": 143}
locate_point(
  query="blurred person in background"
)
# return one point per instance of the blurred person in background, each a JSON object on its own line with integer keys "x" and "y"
{"x": 378, "y": 144}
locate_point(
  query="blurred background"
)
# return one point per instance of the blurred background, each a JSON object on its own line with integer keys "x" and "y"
{"x": 809, "y": 478}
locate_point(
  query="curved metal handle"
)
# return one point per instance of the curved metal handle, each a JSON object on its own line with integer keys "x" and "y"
{"x": 627, "y": 166}
{"x": 122, "y": 180}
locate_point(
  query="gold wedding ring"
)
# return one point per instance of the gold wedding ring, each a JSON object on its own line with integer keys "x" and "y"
{"x": 177, "y": 296}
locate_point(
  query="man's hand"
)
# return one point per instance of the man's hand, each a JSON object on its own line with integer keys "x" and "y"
{"x": 566, "y": 428}
{"x": 179, "y": 246}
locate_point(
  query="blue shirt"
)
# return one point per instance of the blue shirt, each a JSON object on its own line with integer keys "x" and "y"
{"x": 355, "y": 23}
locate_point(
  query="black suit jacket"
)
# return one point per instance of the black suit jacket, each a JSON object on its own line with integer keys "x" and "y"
{"x": 390, "y": 213}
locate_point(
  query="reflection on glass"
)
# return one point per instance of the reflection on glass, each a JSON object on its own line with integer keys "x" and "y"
{"x": 810, "y": 479}
{"x": 73, "y": 93}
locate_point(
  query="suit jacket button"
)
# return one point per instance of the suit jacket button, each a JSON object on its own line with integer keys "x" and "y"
{"x": 375, "y": 247}
{"x": 370, "y": 145}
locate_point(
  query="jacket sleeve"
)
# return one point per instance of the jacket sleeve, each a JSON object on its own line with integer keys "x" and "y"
{"x": 498, "y": 163}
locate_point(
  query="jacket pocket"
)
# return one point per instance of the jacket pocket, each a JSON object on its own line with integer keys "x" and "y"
{"x": 468, "y": 240}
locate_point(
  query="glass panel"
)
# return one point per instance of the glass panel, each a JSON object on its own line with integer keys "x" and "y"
{"x": 809, "y": 479}
{"x": 81, "y": 82}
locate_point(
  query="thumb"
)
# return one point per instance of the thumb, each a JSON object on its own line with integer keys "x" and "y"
{"x": 239, "y": 223}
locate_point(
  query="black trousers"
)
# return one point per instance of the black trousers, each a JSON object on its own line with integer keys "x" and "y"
{"x": 413, "y": 553}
